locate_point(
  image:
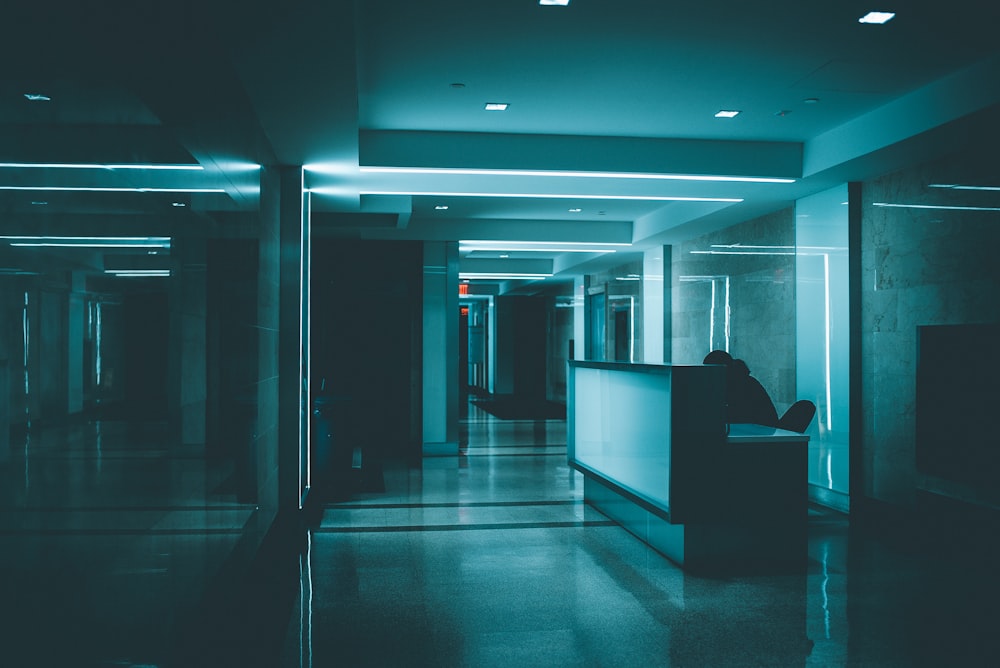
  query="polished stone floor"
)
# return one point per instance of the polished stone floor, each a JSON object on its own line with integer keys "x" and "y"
{"x": 114, "y": 544}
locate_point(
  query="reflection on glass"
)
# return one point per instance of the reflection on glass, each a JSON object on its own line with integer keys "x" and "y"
{"x": 822, "y": 335}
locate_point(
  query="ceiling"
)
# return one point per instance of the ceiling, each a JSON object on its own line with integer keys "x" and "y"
{"x": 610, "y": 137}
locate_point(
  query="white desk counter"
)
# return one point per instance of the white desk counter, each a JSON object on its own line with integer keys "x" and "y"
{"x": 740, "y": 433}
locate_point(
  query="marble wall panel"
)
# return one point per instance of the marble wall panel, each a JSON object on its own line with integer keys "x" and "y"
{"x": 920, "y": 266}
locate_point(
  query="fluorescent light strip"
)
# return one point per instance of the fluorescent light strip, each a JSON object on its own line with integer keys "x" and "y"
{"x": 721, "y": 252}
{"x": 64, "y": 165}
{"x": 637, "y": 198}
{"x": 937, "y": 207}
{"x": 752, "y": 247}
{"x": 471, "y": 249}
{"x": 115, "y": 190}
{"x": 472, "y": 275}
{"x": 573, "y": 174}
{"x": 137, "y": 273}
{"x": 89, "y": 242}
{"x": 958, "y": 187}
{"x": 511, "y": 245}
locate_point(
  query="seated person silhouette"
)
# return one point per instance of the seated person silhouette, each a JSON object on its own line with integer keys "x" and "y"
{"x": 746, "y": 398}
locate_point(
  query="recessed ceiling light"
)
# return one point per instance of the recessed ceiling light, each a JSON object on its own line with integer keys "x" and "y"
{"x": 575, "y": 210}
{"x": 876, "y": 17}
{"x": 441, "y": 207}
{"x": 38, "y": 203}
{"x": 554, "y": 3}
{"x": 504, "y": 256}
{"x": 178, "y": 204}
{"x": 497, "y": 106}
{"x": 37, "y": 97}
{"x": 727, "y": 113}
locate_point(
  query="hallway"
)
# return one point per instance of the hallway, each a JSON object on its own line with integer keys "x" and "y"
{"x": 120, "y": 550}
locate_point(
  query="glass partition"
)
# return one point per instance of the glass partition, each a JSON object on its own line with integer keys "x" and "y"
{"x": 633, "y": 409}
{"x": 822, "y": 345}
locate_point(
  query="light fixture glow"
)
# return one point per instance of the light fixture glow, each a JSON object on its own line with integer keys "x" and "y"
{"x": 497, "y": 106}
{"x": 88, "y": 242}
{"x": 877, "y": 17}
{"x": 630, "y": 198}
{"x": 573, "y": 174}
{"x": 97, "y": 189}
{"x": 137, "y": 273}
{"x": 469, "y": 246}
{"x": 83, "y": 165}
{"x": 441, "y": 207}
{"x": 960, "y": 187}
{"x": 940, "y": 207}
{"x": 37, "y": 97}
{"x": 553, "y": 3}
{"x": 178, "y": 204}
{"x": 575, "y": 210}
{"x": 477, "y": 275}
{"x": 727, "y": 113}
{"x": 553, "y": 249}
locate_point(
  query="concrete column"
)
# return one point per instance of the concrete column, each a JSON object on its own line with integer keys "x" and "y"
{"x": 440, "y": 348}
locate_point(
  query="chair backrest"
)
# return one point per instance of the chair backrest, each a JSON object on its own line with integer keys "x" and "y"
{"x": 798, "y": 416}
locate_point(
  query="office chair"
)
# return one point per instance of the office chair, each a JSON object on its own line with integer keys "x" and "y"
{"x": 798, "y": 416}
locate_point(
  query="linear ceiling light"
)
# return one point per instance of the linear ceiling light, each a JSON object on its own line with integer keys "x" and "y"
{"x": 88, "y": 242}
{"x": 960, "y": 187}
{"x": 540, "y": 246}
{"x": 727, "y": 113}
{"x": 877, "y": 17}
{"x": 518, "y": 245}
{"x": 66, "y": 165}
{"x": 474, "y": 275}
{"x": 497, "y": 106}
{"x": 631, "y": 198}
{"x": 574, "y": 174}
{"x": 546, "y": 249}
{"x": 98, "y": 189}
{"x": 137, "y": 273}
{"x": 553, "y": 3}
{"x": 939, "y": 207}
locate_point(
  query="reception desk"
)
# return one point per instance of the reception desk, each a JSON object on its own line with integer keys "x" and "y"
{"x": 659, "y": 458}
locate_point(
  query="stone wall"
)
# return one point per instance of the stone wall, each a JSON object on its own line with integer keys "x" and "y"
{"x": 921, "y": 266}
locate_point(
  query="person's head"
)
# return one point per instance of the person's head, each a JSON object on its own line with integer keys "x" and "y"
{"x": 718, "y": 357}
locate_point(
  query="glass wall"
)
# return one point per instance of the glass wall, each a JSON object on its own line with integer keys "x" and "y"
{"x": 822, "y": 330}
